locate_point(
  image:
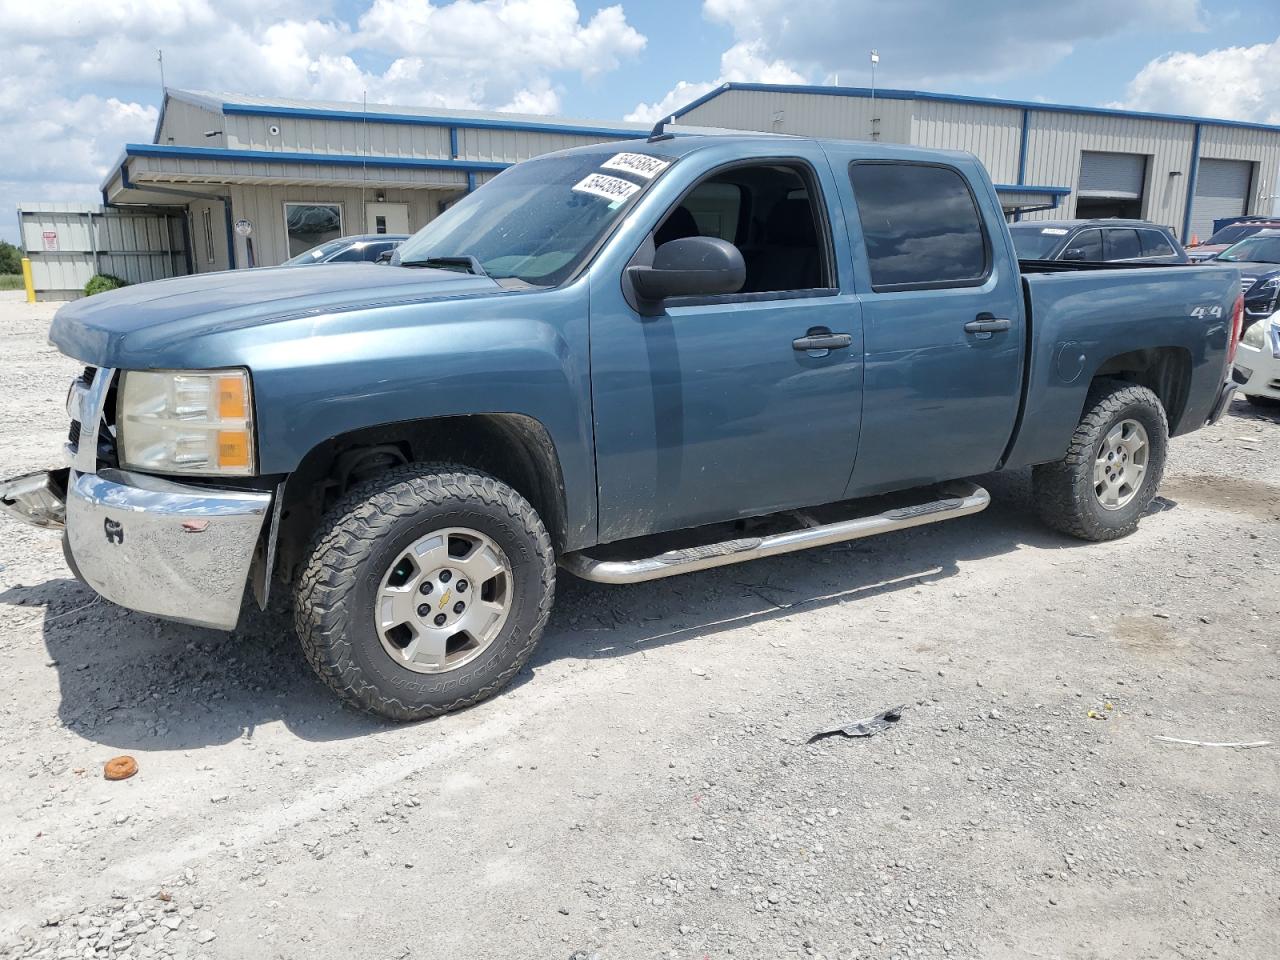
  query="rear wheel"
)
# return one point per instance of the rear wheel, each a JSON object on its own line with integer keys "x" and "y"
{"x": 426, "y": 591}
{"x": 1113, "y": 467}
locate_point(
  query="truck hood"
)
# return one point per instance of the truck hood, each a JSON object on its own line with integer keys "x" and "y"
{"x": 100, "y": 329}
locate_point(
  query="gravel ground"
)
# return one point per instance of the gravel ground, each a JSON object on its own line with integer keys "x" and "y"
{"x": 645, "y": 788}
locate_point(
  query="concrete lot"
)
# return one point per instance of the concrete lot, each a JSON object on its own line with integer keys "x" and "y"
{"x": 644, "y": 789}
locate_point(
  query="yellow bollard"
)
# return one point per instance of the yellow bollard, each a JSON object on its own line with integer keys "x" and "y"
{"x": 26, "y": 280}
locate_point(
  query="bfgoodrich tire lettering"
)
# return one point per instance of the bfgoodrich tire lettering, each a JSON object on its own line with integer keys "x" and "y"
{"x": 1064, "y": 490}
{"x": 350, "y": 554}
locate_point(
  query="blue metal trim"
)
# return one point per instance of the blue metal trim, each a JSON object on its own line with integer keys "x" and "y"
{"x": 473, "y": 123}
{"x": 960, "y": 98}
{"x": 453, "y": 142}
{"x": 1028, "y": 188}
{"x": 322, "y": 159}
{"x": 1022, "y": 155}
{"x": 471, "y": 181}
{"x": 1191, "y": 186}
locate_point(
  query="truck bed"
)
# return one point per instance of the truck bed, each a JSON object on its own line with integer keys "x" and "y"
{"x": 1081, "y": 317}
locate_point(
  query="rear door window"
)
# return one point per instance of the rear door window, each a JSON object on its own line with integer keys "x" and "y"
{"x": 1122, "y": 244}
{"x": 921, "y": 226}
{"x": 1156, "y": 244}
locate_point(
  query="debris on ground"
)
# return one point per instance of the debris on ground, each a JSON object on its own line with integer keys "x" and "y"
{"x": 866, "y": 727}
{"x": 1238, "y": 745}
{"x": 120, "y": 768}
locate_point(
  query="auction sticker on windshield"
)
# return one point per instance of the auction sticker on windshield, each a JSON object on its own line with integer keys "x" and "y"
{"x": 610, "y": 188}
{"x": 637, "y": 163}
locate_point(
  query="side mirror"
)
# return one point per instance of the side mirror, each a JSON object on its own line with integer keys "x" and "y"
{"x": 1073, "y": 253}
{"x": 384, "y": 256}
{"x": 690, "y": 267}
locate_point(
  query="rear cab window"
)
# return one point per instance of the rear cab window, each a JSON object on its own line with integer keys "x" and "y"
{"x": 1156, "y": 244}
{"x": 921, "y": 226}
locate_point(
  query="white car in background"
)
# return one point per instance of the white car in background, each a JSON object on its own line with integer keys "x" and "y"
{"x": 1258, "y": 362}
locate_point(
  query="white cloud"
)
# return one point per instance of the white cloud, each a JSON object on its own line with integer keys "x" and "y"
{"x": 741, "y": 63}
{"x": 81, "y": 75}
{"x": 1236, "y": 83}
{"x": 922, "y": 43}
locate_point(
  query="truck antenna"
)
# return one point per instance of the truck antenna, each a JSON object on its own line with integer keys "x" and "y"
{"x": 658, "y": 132}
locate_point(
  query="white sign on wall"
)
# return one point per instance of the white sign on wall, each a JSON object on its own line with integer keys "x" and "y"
{"x": 50, "y": 238}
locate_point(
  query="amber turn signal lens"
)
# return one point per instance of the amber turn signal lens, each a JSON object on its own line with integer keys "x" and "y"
{"x": 232, "y": 402}
{"x": 233, "y": 448}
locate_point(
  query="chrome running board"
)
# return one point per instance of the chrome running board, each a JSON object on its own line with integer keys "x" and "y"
{"x": 968, "y": 498}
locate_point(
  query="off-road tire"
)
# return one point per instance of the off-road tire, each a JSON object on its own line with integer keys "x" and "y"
{"x": 1063, "y": 490}
{"x": 351, "y": 550}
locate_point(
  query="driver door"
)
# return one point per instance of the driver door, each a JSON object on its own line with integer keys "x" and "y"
{"x": 710, "y": 410}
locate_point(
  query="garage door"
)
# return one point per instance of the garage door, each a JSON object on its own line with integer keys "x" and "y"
{"x": 1222, "y": 190}
{"x": 1112, "y": 175}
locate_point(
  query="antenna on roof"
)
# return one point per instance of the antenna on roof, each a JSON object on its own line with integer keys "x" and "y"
{"x": 658, "y": 132}
{"x": 160, "y": 60}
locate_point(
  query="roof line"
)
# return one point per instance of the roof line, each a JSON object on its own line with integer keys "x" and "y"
{"x": 322, "y": 159}
{"x": 962, "y": 98}
{"x": 465, "y": 123}
{"x": 1028, "y": 188}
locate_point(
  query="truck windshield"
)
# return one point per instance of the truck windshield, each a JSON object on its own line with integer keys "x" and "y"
{"x": 538, "y": 220}
{"x": 1254, "y": 249}
{"x": 1036, "y": 243}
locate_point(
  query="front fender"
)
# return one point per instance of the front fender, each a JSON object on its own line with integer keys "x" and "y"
{"x": 523, "y": 353}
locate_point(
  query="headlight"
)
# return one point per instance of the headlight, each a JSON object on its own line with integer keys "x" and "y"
{"x": 179, "y": 421}
{"x": 1270, "y": 284}
{"x": 1255, "y": 336}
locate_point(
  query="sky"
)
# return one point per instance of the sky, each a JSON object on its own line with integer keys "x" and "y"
{"x": 79, "y": 78}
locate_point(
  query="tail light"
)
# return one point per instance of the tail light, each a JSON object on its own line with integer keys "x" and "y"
{"x": 1237, "y": 325}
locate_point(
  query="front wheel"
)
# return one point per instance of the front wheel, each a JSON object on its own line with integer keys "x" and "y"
{"x": 1113, "y": 467}
{"x": 425, "y": 591}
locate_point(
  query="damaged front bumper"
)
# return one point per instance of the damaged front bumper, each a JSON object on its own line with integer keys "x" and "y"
{"x": 158, "y": 547}
{"x": 174, "y": 550}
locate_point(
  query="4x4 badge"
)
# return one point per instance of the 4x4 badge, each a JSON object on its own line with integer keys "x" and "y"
{"x": 114, "y": 530}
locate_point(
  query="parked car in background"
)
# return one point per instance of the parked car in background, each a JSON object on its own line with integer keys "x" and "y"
{"x": 1229, "y": 234}
{"x": 1258, "y": 363}
{"x": 363, "y": 249}
{"x": 1258, "y": 260}
{"x": 1097, "y": 241}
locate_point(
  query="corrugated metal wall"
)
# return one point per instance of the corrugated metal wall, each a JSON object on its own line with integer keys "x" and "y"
{"x": 1055, "y": 140}
{"x": 993, "y": 134}
{"x": 264, "y": 206}
{"x": 185, "y": 125}
{"x": 134, "y": 245}
{"x": 804, "y": 114}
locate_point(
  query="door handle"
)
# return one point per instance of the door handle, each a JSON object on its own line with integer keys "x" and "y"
{"x": 986, "y": 323}
{"x": 822, "y": 340}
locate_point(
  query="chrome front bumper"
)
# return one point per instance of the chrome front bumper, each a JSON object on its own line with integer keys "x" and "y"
{"x": 151, "y": 545}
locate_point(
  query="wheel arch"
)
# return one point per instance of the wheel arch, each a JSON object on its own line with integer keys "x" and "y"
{"x": 514, "y": 448}
{"x": 1165, "y": 371}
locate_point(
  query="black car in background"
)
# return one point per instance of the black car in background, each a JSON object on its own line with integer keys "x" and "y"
{"x": 361, "y": 249}
{"x": 1097, "y": 241}
{"x": 1257, "y": 257}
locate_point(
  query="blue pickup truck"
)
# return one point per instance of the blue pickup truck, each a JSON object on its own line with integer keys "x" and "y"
{"x": 626, "y": 360}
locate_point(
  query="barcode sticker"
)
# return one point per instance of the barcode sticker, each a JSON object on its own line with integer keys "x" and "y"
{"x": 610, "y": 188}
{"x": 638, "y": 163}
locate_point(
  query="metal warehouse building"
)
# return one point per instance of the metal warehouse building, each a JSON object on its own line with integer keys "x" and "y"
{"x": 235, "y": 181}
{"x": 1047, "y": 160}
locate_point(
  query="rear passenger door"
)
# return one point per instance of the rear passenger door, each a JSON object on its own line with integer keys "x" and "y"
{"x": 1157, "y": 247}
{"x": 1121, "y": 244}
{"x": 943, "y": 324}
